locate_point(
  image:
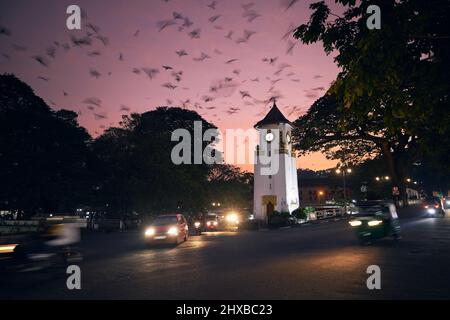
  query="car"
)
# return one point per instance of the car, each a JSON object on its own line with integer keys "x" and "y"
{"x": 433, "y": 206}
{"x": 211, "y": 222}
{"x": 167, "y": 228}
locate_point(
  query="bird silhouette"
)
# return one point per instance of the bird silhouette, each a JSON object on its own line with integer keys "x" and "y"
{"x": 42, "y": 60}
{"x": 93, "y": 101}
{"x": 214, "y": 18}
{"x": 194, "y": 34}
{"x": 181, "y": 53}
{"x": 212, "y": 5}
{"x": 94, "y": 73}
{"x": 202, "y": 57}
{"x": 4, "y": 31}
{"x": 150, "y": 72}
{"x": 169, "y": 85}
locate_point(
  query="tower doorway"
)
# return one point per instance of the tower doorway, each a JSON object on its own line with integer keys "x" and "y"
{"x": 270, "y": 208}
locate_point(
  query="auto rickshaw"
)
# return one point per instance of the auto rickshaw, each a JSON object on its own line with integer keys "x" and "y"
{"x": 375, "y": 220}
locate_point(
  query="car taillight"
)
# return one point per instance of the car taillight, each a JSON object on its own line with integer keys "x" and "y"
{"x": 436, "y": 206}
{"x": 426, "y": 207}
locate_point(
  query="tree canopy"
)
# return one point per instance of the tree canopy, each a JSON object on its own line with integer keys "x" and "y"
{"x": 48, "y": 163}
{"x": 391, "y": 97}
{"x": 44, "y": 153}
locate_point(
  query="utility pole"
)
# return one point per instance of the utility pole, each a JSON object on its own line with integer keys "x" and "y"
{"x": 344, "y": 183}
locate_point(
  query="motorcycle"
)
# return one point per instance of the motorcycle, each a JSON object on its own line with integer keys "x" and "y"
{"x": 51, "y": 251}
{"x": 198, "y": 228}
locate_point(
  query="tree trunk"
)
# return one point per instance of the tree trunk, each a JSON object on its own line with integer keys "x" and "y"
{"x": 397, "y": 171}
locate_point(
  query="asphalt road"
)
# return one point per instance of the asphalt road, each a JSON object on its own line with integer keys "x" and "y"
{"x": 320, "y": 261}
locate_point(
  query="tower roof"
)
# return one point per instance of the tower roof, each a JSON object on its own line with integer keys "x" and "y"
{"x": 273, "y": 117}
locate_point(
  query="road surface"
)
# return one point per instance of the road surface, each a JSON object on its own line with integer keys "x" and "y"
{"x": 320, "y": 261}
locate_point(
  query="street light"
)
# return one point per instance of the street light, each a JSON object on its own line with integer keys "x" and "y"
{"x": 320, "y": 193}
{"x": 343, "y": 171}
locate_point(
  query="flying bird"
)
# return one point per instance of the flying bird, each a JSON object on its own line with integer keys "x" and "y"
{"x": 212, "y": 5}
{"x": 169, "y": 85}
{"x": 80, "y": 42}
{"x": 181, "y": 53}
{"x": 187, "y": 22}
{"x": 271, "y": 61}
{"x": 99, "y": 116}
{"x": 247, "y": 6}
{"x": 246, "y": 36}
{"x": 103, "y": 39}
{"x": 229, "y": 35}
{"x": 163, "y": 24}
{"x": 42, "y": 61}
{"x": 290, "y": 47}
{"x": 195, "y": 34}
{"x": 150, "y": 72}
{"x": 231, "y": 61}
{"x": 94, "y": 73}
{"x": 177, "y": 16}
{"x": 177, "y": 75}
{"x": 5, "y": 31}
{"x": 250, "y": 15}
{"x": 92, "y": 27}
{"x": 214, "y": 18}
{"x": 287, "y": 4}
{"x": 94, "y": 53}
{"x": 93, "y": 101}
{"x": 202, "y": 57}
{"x": 245, "y": 94}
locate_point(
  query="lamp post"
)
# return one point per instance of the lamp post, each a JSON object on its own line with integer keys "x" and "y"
{"x": 344, "y": 171}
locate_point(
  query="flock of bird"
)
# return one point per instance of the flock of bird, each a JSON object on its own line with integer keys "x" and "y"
{"x": 94, "y": 42}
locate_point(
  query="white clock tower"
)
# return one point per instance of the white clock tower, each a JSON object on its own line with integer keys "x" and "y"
{"x": 277, "y": 191}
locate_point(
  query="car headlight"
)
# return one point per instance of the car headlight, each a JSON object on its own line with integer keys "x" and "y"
{"x": 7, "y": 248}
{"x": 197, "y": 224}
{"x": 173, "y": 231}
{"x": 355, "y": 223}
{"x": 431, "y": 210}
{"x": 215, "y": 223}
{"x": 208, "y": 223}
{"x": 447, "y": 202}
{"x": 374, "y": 223}
{"x": 150, "y": 232}
{"x": 232, "y": 218}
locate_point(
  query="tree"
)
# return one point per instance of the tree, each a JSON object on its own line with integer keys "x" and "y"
{"x": 138, "y": 170}
{"x": 391, "y": 97}
{"x": 230, "y": 186}
{"x": 44, "y": 154}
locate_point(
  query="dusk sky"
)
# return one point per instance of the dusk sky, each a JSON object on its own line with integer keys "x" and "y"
{"x": 237, "y": 59}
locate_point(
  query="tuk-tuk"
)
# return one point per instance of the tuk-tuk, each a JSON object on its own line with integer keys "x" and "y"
{"x": 375, "y": 220}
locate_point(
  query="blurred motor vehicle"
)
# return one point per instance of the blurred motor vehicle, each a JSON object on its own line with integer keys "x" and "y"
{"x": 167, "y": 228}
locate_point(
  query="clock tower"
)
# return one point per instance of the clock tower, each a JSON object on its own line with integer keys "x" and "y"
{"x": 275, "y": 189}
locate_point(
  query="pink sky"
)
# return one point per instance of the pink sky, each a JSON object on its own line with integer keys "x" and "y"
{"x": 36, "y": 25}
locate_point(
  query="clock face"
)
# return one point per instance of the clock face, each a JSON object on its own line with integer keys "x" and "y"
{"x": 288, "y": 138}
{"x": 269, "y": 136}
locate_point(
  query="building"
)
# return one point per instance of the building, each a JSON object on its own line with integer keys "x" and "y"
{"x": 275, "y": 188}
{"x": 320, "y": 191}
